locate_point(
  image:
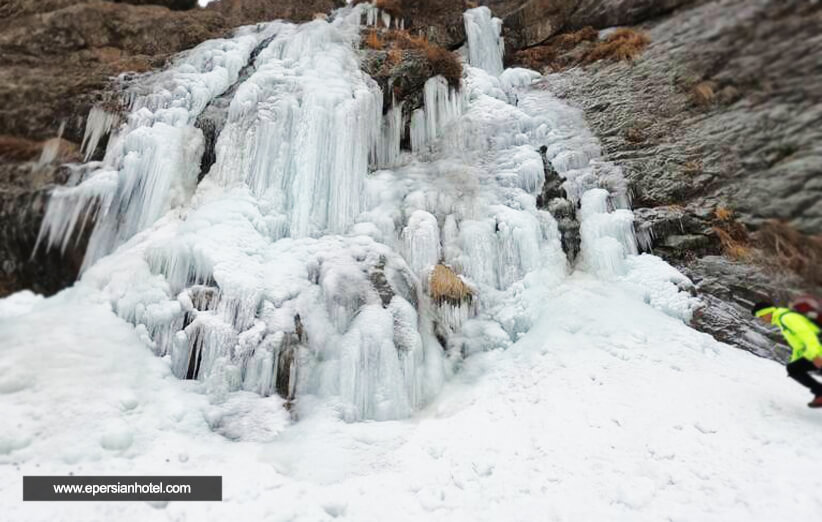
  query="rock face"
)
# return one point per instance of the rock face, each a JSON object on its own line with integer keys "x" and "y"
{"x": 533, "y": 21}
{"x": 728, "y": 289}
{"x": 715, "y": 117}
{"x": 608, "y": 13}
{"x": 723, "y": 110}
{"x": 530, "y": 22}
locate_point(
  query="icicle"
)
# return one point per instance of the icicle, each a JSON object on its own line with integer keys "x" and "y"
{"x": 485, "y": 45}
{"x": 313, "y": 118}
{"x": 388, "y": 145}
{"x": 442, "y": 105}
{"x": 99, "y": 124}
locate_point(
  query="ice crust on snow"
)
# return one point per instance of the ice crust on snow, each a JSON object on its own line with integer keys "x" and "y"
{"x": 299, "y": 265}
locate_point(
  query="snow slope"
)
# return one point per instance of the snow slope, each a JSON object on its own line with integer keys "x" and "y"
{"x": 606, "y": 409}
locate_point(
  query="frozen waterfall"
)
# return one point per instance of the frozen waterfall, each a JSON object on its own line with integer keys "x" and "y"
{"x": 301, "y": 262}
{"x": 485, "y": 44}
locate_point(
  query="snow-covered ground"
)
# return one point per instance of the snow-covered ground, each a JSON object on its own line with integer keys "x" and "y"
{"x": 607, "y": 409}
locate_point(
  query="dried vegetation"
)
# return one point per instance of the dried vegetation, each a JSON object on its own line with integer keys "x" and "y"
{"x": 583, "y": 47}
{"x": 445, "y": 286}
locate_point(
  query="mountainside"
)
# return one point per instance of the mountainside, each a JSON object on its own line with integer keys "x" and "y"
{"x": 409, "y": 260}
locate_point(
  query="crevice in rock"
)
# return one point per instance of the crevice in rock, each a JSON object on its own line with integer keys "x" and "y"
{"x": 554, "y": 199}
{"x": 213, "y": 118}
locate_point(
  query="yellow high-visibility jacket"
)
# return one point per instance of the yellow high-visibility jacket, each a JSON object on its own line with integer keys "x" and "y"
{"x": 800, "y": 332}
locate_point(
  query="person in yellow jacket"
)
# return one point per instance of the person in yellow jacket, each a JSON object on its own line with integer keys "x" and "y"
{"x": 802, "y": 335}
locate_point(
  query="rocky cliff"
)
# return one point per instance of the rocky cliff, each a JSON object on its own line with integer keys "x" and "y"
{"x": 718, "y": 126}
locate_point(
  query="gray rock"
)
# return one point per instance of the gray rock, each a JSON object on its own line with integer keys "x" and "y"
{"x": 728, "y": 289}
{"x": 608, "y": 13}
{"x": 723, "y": 109}
{"x": 755, "y": 146}
{"x": 689, "y": 242}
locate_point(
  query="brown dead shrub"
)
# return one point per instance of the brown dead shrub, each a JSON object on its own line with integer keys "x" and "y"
{"x": 692, "y": 167}
{"x": 583, "y": 47}
{"x": 635, "y": 134}
{"x": 445, "y": 63}
{"x": 623, "y": 44}
{"x": 440, "y": 60}
{"x": 571, "y": 40}
{"x": 723, "y": 214}
{"x": 445, "y": 285}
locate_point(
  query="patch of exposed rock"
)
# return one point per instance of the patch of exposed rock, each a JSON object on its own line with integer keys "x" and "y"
{"x": 531, "y": 22}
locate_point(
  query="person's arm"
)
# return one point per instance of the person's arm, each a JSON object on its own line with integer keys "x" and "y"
{"x": 802, "y": 329}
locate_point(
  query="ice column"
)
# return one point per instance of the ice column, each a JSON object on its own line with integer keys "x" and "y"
{"x": 607, "y": 237}
{"x": 485, "y": 45}
{"x": 442, "y": 105}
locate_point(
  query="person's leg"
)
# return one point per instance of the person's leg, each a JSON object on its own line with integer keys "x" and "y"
{"x": 800, "y": 371}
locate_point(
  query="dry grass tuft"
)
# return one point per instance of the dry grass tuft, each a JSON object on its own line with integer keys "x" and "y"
{"x": 704, "y": 93}
{"x": 571, "y": 40}
{"x": 723, "y": 214}
{"x": 635, "y": 134}
{"x": 583, "y": 47}
{"x": 733, "y": 235}
{"x": 692, "y": 167}
{"x": 786, "y": 247}
{"x": 776, "y": 245}
{"x": 445, "y": 285}
{"x": 372, "y": 41}
{"x": 622, "y": 44}
{"x": 733, "y": 247}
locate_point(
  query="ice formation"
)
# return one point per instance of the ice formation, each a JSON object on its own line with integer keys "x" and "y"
{"x": 298, "y": 263}
{"x": 485, "y": 45}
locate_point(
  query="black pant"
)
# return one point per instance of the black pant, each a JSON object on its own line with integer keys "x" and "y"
{"x": 800, "y": 371}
